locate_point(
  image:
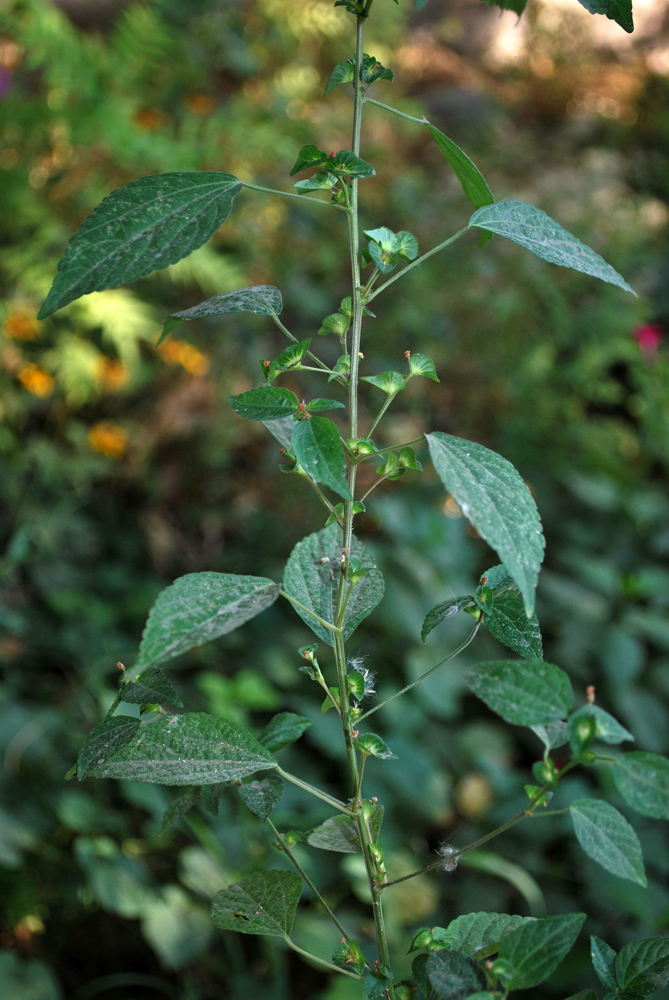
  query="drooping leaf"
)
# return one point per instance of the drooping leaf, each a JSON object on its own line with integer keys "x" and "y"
{"x": 262, "y": 903}
{"x": 472, "y": 180}
{"x": 446, "y": 609}
{"x": 616, "y": 10}
{"x": 153, "y": 687}
{"x": 344, "y": 72}
{"x": 532, "y": 229}
{"x": 182, "y": 803}
{"x": 504, "y": 614}
{"x": 190, "y": 749}
{"x": 197, "y": 608}
{"x": 283, "y": 729}
{"x": 262, "y": 796}
{"x": 319, "y": 450}
{"x": 478, "y": 932}
{"x": 103, "y": 741}
{"x": 607, "y": 729}
{"x": 371, "y": 745}
{"x": 264, "y": 300}
{"x": 420, "y": 364}
{"x": 536, "y": 949}
{"x": 643, "y": 781}
{"x": 642, "y": 966}
{"x": 454, "y": 975}
{"x": 341, "y": 833}
{"x": 267, "y": 402}
{"x": 312, "y": 578}
{"x": 491, "y": 495}
{"x": 603, "y": 962}
{"x": 607, "y": 837}
{"x": 140, "y": 228}
{"x": 281, "y": 430}
{"x": 320, "y": 181}
{"x": 523, "y": 692}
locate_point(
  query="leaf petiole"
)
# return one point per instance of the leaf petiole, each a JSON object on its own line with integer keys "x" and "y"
{"x": 419, "y": 260}
{"x": 316, "y": 792}
{"x": 308, "y": 611}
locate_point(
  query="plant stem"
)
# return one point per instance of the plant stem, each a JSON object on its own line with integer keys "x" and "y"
{"x": 391, "y": 447}
{"x": 114, "y": 705}
{"x": 380, "y": 414}
{"x": 290, "y": 194}
{"x": 417, "y": 261}
{"x": 308, "y": 611}
{"x": 305, "y": 786}
{"x": 322, "y": 497}
{"x": 358, "y": 789}
{"x": 402, "y": 114}
{"x": 451, "y": 656}
{"x": 321, "y": 364}
{"x": 321, "y": 961}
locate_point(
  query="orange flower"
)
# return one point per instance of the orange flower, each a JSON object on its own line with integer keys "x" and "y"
{"x": 21, "y": 325}
{"x": 36, "y": 380}
{"x": 201, "y": 104}
{"x": 180, "y": 352}
{"x": 108, "y": 439}
{"x": 112, "y": 375}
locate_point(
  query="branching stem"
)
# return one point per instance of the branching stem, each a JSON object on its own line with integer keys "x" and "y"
{"x": 296, "y": 197}
{"x": 418, "y": 261}
{"x": 321, "y": 961}
{"x": 401, "y": 114}
{"x": 308, "y": 611}
{"x": 316, "y": 792}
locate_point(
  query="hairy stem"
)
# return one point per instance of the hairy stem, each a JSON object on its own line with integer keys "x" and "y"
{"x": 401, "y": 114}
{"x": 308, "y": 611}
{"x": 316, "y": 792}
{"x": 321, "y": 961}
{"x": 290, "y": 194}
{"x": 380, "y": 414}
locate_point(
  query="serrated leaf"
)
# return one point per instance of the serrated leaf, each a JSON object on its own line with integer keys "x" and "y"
{"x": 536, "y": 949}
{"x": 390, "y": 382}
{"x": 182, "y": 803}
{"x": 334, "y": 323}
{"x": 200, "y": 607}
{"x": 607, "y": 729}
{"x": 263, "y": 300}
{"x": 420, "y": 364}
{"x": 190, "y": 749}
{"x": 642, "y": 966}
{"x": 532, "y": 229}
{"x": 281, "y": 430}
{"x": 140, "y": 228}
{"x": 262, "y": 903}
{"x": 408, "y": 460}
{"x": 603, "y": 962}
{"x": 348, "y": 955}
{"x": 446, "y": 609}
{"x": 267, "y": 402}
{"x": 492, "y": 495}
{"x": 312, "y": 577}
{"x": 308, "y": 156}
{"x": 478, "y": 932}
{"x": 643, "y": 781}
{"x": 341, "y": 833}
{"x": 553, "y": 734}
{"x": 523, "y": 692}
{"x": 504, "y": 614}
{"x": 453, "y": 974}
{"x": 152, "y": 687}
{"x": 472, "y": 180}
{"x": 372, "y": 70}
{"x": 347, "y": 163}
{"x": 407, "y": 248}
{"x": 372, "y": 745}
{"x": 320, "y": 404}
{"x": 619, "y": 11}
{"x": 375, "y": 986}
{"x": 262, "y": 797}
{"x": 607, "y": 837}
{"x": 282, "y": 730}
{"x": 319, "y": 450}
{"x": 344, "y": 72}
{"x": 103, "y": 741}
{"x": 320, "y": 181}
{"x": 420, "y": 974}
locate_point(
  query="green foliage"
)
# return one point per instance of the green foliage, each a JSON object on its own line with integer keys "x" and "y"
{"x": 643, "y": 781}
{"x": 319, "y": 450}
{"x": 472, "y": 180}
{"x": 607, "y": 837}
{"x": 262, "y": 797}
{"x": 523, "y": 692}
{"x": 263, "y": 903}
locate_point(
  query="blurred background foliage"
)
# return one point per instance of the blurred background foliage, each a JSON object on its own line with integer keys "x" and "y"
{"x": 123, "y": 466}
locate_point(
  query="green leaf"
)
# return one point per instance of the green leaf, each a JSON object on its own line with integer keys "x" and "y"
{"x": 267, "y": 402}
{"x": 262, "y": 796}
{"x": 478, "y": 932}
{"x": 341, "y": 833}
{"x": 182, "y": 803}
{"x": 200, "y": 607}
{"x": 642, "y": 966}
{"x": 385, "y": 238}
{"x": 375, "y": 986}
{"x": 607, "y": 729}
{"x": 532, "y": 229}
{"x": 420, "y": 974}
{"x": 312, "y": 577}
{"x": 517, "y": 6}
{"x": 344, "y": 72}
{"x": 282, "y": 730}
{"x": 536, "y": 949}
{"x": 407, "y": 248}
{"x": 309, "y": 156}
{"x": 444, "y": 610}
{"x": 334, "y": 323}
{"x": 103, "y": 741}
{"x": 523, "y": 692}
{"x": 616, "y": 10}
{"x": 262, "y": 903}
{"x": 372, "y": 70}
{"x": 472, "y": 180}
{"x": 348, "y": 955}
{"x": 607, "y": 837}
{"x": 643, "y": 781}
{"x": 390, "y": 382}
{"x": 319, "y": 450}
{"x": 581, "y": 995}
{"x": 320, "y": 404}
{"x": 264, "y": 300}
{"x": 140, "y": 228}
{"x": 321, "y": 181}
{"x": 371, "y": 745}
{"x": 491, "y": 494}
{"x": 152, "y": 687}
{"x": 190, "y": 749}
{"x": 454, "y": 975}
{"x": 347, "y": 163}
{"x": 407, "y": 459}
{"x": 420, "y": 364}
{"x": 504, "y": 614}
{"x": 553, "y": 734}
{"x": 340, "y": 509}
{"x": 603, "y": 961}
{"x": 289, "y": 359}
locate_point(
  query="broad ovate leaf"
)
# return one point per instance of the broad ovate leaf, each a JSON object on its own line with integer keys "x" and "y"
{"x": 262, "y": 903}
{"x": 643, "y": 781}
{"x": 264, "y": 300}
{"x": 607, "y": 837}
{"x": 475, "y": 933}
{"x": 537, "y": 948}
{"x": 103, "y": 742}
{"x": 153, "y": 687}
{"x": 504, "y": 614}
{"x": 492, "y": 495}
{"x": 472, "y": 180}
{"x": 642, "y": 966}
{"x": 452, "y": 974}
{"x": 262, "y": 797}
{"x": 603, "y": 962}
{"x": 191, "y": 749}
{"x": 523, "y": 692}
{"x": 341, "y": 833}
{"x": 532, "y": 229}
{"x": 616, "y": 10}
{"x": 319, "y": 450}
{"x": 266, "y": 402}
{"x": 440, "y": 612}
{"x": 140, "y": 228}
{"x": 282, "y": 730}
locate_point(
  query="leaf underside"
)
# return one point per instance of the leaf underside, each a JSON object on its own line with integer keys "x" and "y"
{"x": 263, "y": 903}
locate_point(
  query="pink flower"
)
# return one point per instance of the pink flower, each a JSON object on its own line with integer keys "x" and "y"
{"x": 648, "y": 336}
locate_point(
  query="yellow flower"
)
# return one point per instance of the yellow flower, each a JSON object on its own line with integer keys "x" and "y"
{"x": 36, "y": 380}
{"x": 21, "y": 324}
{"x": 111, "y": 374}
{"x": 180, "y": 352}
{"x": 108, "y": 439}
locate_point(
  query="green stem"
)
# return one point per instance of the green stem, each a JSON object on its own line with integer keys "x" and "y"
{"x": 417, "y": 261}
{"x": 321, "y": 364}
{"x": 290, "y": 194}
{"x": 391, "y": 447}
{"x": 322, "y": 497}
{"x": 114, "y": 705}
{"x": 320, "y": 961}
{"x": 316, "y": 792}
{"x": 401, "y": 114}
{"x": 380, "y": 414}
{"x": 308, "y": 611}
{"x": 456, "y": 652}
{"x": 373, "y": 487}
{"x": 358, "y": 789}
